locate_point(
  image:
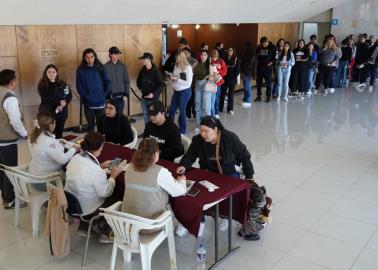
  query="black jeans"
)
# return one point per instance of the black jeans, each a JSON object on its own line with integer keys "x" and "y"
{"x": 92, "y": 116}
{"x": 60, "y": 122}
{"x": 230, "y": 86}
{"x": 372, "y": 69}
{"x": 190, "y": 108}
{"x": 266, "y": 74}
{"x": 8, "y": 156}
{"x": 360, "y": 74}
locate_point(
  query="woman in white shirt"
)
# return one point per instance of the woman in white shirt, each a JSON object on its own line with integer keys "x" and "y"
{"x": 147, "y": 185}
{"x": 182, "y": 81}
{"x": 87, "y": 179}
{"x": 47, "y": 153}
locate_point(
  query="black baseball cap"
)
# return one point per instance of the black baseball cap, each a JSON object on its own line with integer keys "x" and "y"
{"x": 146, "y": 55}
{"x": 114, "y": 50}
{"x": 155, "y": 108}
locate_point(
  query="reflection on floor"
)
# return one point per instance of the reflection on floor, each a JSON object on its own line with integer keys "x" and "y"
{"x": 318, "y": 159}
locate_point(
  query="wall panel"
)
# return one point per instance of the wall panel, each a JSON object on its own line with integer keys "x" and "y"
{"x": 8, "y": 45}
{"x": 275, "y": 31}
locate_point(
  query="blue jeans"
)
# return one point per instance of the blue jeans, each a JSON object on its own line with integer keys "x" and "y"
{"x": 215, "y": 101}
{"x": 247, "y": 84}
{"x": 180, "y": 99}
{"x": 342, "y": 73}
{"x": 283, "y": 82}
{"x": 145, "y": 104}
{"x": 202, "y": 101}
{"x": 311, "y": 79}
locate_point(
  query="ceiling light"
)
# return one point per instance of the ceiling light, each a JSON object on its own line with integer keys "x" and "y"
{"x": 174, "y": 26}
{"x": 198, "y": 26}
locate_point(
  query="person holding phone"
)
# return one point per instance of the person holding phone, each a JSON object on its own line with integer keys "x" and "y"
{"x": 182, "y": 81}
{"x": 148, "y": 185}
{"x": 87, "y": 179}
{"x": 55, "y": 97}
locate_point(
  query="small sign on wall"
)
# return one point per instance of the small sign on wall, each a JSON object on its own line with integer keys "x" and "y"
{"x": 335, "y": 22}
{"x": 179, "y": 33}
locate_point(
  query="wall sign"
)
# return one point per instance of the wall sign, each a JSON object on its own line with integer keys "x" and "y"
{"x": 335, "y": 22}
{"x": 48, "y": 43}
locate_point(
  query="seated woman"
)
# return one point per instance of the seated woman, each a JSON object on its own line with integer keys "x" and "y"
{"x": 218, "y": 150}
{"x": 114, "y": 125}
{"x": 87, "y": 179}
{"x": 47, "y": 153}
{"x": 147, "y": 184}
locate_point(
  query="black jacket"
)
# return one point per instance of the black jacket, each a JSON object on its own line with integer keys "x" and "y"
{"x": 232, "y": 152}
{"x": 51, "y": 94}
{"x": 168, "y": 137}
{"x": 265, "y": 56}
{"x": 150, "y": 81}
{"x": 116, "y": 130}
{"x": 247, "y": 64}
{"x": 233, "y": 70}
{"x": 362, "y": 53}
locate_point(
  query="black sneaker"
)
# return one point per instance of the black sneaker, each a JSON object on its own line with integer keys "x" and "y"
{"x": 251, "y": 237}
{"x": 12, "y": 204}
{"x": 267, "y": 99}
{"x": 258, "y": 99}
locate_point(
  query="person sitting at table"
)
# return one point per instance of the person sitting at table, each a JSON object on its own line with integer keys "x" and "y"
{"x": 47, "y": 153}
{"x": 164, "y": 131}
{"x": 218, "y": 150}
{"x": 87, "y": 180}
{"x": 147, "y": 185}
{"x": 114, "y": 125}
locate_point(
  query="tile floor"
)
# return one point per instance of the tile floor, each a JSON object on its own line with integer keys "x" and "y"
{"x": 319, "y": 161}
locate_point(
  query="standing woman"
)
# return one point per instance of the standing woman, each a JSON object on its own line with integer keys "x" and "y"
{"x": 300, "y": 71}
{"x": 247, "y": 67}
{"x": 220, "y": 70}
{"x": 230, "y": 80}
{"x": 182, "y": 80}
{"x": 93, "y": 85}
{"x": 55, "y": 96}
{"x": 313, "y": 58}
{"x": 202, "y": 73}
{"x": 279, "y": 48}
{"x": 284, "y": 62}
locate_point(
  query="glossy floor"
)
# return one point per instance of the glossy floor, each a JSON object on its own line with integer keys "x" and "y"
{"x": 318, "y": 159}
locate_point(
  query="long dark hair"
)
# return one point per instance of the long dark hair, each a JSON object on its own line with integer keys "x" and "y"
{"x": 278, "y": 42}
{"x": 43, "y": 82}
{"x": 84, "y": 62}
{"x": 106, "y": 125}
{"x": 304, "y": 44}
{"x": 207, "y": 63}
{"x": 282, "y": 54}
{"x": 233, "y": 57}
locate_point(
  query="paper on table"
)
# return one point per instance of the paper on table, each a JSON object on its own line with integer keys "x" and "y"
{"x": 210, "y": 186}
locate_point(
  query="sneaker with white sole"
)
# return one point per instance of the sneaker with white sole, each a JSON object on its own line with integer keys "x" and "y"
{"x": 12, "y": 204}
{"x": 246, "y": 104}
{"x": 222, "y": 224}
{"x": 331, "y": 90}
{"x": 370, "y": 88}
{"x": 278, "y": 100}
{"x": 180, "y": 230}
{"x": 286, "y": 99}
{"x": 106, "y": 239}
{"x": 196, "y": 130}
{"x": 231, "y": 112}
{"x": 216, "y": 116}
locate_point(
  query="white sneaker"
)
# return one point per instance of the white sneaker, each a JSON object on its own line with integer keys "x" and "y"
{"x": 331, "y": 90}
{"x": 231, "y": 112}
{"x": 278, "y": 100}
{"x": 361, "y": 85}
{"x": 196, "y": 130}
{"x": 216, "y": 116}
{"x": 222, "y": 224}
{"x": 308, "y": 93}
{"x": 180, "y": 230}
{"x": 370, "y": 88}
{"x": 246, "y": 104}
{"x": 286, "y": 99}
{"x": 201, "y": 229}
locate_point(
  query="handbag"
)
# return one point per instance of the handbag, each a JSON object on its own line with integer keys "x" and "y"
{"x": 210, "y": 87}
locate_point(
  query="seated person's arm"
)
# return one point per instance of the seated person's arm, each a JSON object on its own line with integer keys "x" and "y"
{"x": 174, "y": 187}
{"x": 56, "y": 152}
{"x": 242, "y": 155}
{"x": 126, "y": 132}
{"x": 104, "y": 187}
{"x": 189, "y": 157}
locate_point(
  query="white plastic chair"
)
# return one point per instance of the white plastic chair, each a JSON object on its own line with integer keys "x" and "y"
{"x": 127, "y": 236}
{"x": 21, "y": 181}
{"x": 135, "y": 138}
{"x": 185, "y": 141}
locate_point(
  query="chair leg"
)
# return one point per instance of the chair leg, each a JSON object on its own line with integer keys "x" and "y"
{"x": 34, "y": 209}
{"x": 114, "y": 256}
{"x": 145, "y": 257}
{"x": 17, "y": 211}
{"x": 171, "y": 246}
{"x": 87, "y": 242}
{"x": 127, "y": 256}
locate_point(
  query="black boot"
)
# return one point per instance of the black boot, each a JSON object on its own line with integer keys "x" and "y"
{"x": 267, "y": 99}
{"x": 258, "y": 99}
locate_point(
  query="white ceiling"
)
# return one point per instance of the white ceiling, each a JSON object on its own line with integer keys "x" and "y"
{"x": 19, "y": 12}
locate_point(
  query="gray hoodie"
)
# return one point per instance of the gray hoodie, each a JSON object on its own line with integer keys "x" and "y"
{"x": 120, "y": 78}
{"x": 329, "y": 56}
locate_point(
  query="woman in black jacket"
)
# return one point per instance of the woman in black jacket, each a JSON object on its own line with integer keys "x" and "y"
{"x": 218, "y": 150}
{"x": 55, "y": 96}
{"x": 230, "y": 80}
{"x": 300, "y": 74}
{"x": 114, "y": 125}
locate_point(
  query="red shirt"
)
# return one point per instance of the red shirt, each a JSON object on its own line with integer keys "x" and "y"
{"x": 221, "y": 68}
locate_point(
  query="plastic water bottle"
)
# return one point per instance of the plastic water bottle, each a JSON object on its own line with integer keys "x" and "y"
{"x": 201, "y": 257}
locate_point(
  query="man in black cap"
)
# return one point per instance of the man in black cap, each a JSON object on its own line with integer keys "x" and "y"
{"x": 150, "y": 82}
{"x": 117, "y": 72}
{"x": 164, "y": 131}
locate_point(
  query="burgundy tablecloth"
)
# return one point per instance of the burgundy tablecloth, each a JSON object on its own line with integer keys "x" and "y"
{"x": 188, "y": 210}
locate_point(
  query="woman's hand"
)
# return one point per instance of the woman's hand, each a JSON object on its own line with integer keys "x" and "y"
{"x": 150, "y": 95}
{"x": 105, "y": 164}
{"x": 77, "y": 148}
{"x": 181, "y": 177}
{"x": 63, "y": 103}
{"x": 116, "y": 170}
{"x": 180, "y": 170}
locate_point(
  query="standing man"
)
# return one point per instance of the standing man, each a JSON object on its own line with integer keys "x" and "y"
{"x": 117, "y": 72}
{"x": 150, "y": 82}
{"x": 93, "y": 85}
{"x": 265, "y": 58}
{"x": 11, "y": 128}
{"x": 171, "y": 61}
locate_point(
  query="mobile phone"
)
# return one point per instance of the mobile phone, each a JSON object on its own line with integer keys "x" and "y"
{"x": 193, "y": 192}
{"x": 115, "y": 162}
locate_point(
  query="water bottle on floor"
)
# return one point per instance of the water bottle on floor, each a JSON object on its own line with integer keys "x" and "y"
{"x": 201, "y": 257}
